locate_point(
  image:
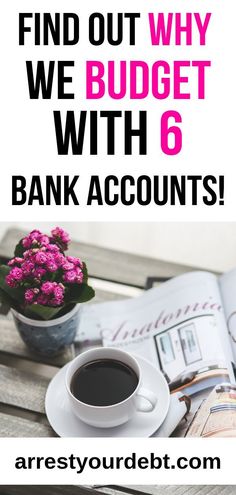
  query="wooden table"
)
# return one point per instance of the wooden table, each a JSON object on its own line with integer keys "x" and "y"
{"x": 118, "y": 490}
{"x": 24, "y": 376}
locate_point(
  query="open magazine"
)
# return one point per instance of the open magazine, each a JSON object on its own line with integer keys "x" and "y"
{"x": 186, "y": 327}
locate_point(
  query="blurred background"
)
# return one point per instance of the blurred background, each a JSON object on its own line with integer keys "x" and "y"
{"x": 205, "y": 245}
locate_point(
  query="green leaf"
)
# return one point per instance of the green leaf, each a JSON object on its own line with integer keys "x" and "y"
{"x": 40, "y": 312}
{"x": 87, "y": 293}
{"x": 85, "y": 273}
{"x": 17, "y": 294}
{"x": 4, "y": 270}
{"x": 19, "y": 249}
{"x": 7, "y": 301}
{"x": 79, "y": 293}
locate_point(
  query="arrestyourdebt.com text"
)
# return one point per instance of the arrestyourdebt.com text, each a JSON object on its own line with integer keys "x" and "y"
{"x": 133, "y": 461}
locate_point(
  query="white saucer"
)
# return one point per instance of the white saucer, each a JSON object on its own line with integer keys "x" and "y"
{"x": 66, "y": 424}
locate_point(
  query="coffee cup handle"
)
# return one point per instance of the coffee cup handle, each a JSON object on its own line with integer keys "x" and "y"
{"x": 150, "y": 400}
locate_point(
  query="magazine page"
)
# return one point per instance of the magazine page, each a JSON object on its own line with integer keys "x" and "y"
{"x": 216, "y": 416}
{"x": 180, "y": 327}
{"x": 227, "y": 284}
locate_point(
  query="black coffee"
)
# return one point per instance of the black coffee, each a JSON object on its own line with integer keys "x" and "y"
{"x": 103, "y": 382}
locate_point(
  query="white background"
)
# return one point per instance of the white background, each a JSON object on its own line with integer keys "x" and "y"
{"x": 174, "y": 447}
{"x": 28, "y": 138}
{"x": 28, "y": 147}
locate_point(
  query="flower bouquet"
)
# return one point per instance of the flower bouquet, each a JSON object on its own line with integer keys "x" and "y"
{"x": 43, "y": 287}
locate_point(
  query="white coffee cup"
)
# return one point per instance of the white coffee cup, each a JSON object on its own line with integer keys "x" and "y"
{"x": 115, "y": 414}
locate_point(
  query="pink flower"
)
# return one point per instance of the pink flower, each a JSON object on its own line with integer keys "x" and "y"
{"x": 51, "y": 266}
{"x": 10, "y": 281}
{"x": 35, "y": 238}
{"x": 67, "y": 266}
{"x": 29, "y": 296}
{"x": 15, "y": 261}
{"x": 27, "y": 268}
{"x": 44, "y": 240}
{"x": 75, "y": 261}
{"x": 39, "y": 272}
{"x": 53, "y": 247}
{"x": 56, "y": 302}
{"x": 50, "y": 256}
{"x": 70, "y": 276}
{"x": 27, "y": 253}
{"x": 47, "y": 287}
{"x": 35, "y": 234}
{"x": 59, "y": 259}
{"x": 73, "y": 276}
{"x": 16, "y": 273}
{"x": 42, "y": 261}
{"x": 41, "y": 258}
{"x": 80, "y": 276}
{"x": 26, "y": 242}
{"x": 30, "y": 239}
{"x": 43, "y": 299}
{"x": 52, "y": 294}
{"x": 58, "y": 291}
{"x": 60, "y": 235}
